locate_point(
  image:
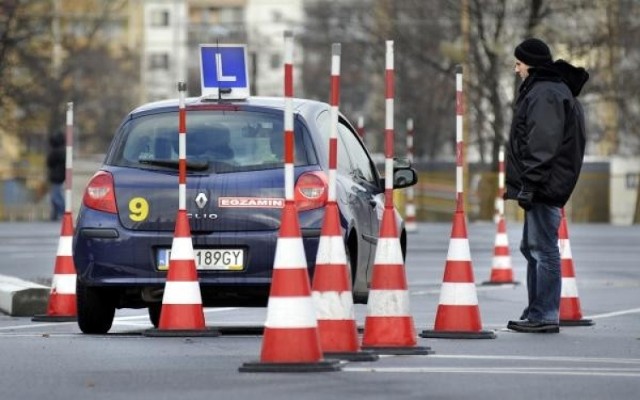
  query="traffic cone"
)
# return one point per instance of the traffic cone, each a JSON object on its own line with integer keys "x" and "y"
{"x": 501, "y": 270}
{"x": 62, "y": 298}
{"x": 332, "y": 296}
{"x": 458, "y": 314}
{"x": 182, "y": 313}
{"x": 291, "y": 342}
{"x": 389, "y": 327}
{"x": 570, "y": 312}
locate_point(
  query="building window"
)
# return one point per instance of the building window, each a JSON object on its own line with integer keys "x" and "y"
{"x": 159, "y": 61}
{"x": 159, "y": 18}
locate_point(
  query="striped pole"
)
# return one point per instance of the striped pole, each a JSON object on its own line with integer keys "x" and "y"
{"x": 333, "y": 133}
{"x": 182, "y": 313}
{"x": 459, "y": 141}
{"x": 61, "y": 306}
{"x": 389, "y": 327}
{"x": 410, "y": 208}
{"x": 68, "y": 183}
{"x": 182, "y": 148}
{"x": 331, "y": 289}
{"x": 500, "y": 197}
{"x": 458, "y": 314}
{"x": 388, "y": 126}
{"x": 288, "y": 117}
{"x": 291, "y": 341}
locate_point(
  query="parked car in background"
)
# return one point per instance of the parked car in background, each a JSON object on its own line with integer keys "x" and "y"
{"x": 235, "y": 195}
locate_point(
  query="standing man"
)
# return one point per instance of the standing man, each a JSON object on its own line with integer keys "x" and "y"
{"x": 544, "y": 158}
{"x": 56, "y": 166}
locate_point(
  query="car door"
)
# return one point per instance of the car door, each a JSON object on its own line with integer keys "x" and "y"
{"x": 365, "y": 198}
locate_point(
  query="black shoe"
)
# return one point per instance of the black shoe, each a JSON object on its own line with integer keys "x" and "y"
{"x": 533, "y": 327}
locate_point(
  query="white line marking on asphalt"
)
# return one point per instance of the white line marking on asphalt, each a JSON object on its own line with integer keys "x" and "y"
{"x": 614, "y": 313}
{"x": 545, "y": 359}
{"x": 116, "y": 320}
{"x": 602, "y": 372}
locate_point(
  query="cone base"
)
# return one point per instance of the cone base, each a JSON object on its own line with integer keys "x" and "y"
{"x": 576, "y": 322}
{"x": 496, "y": 283}
{"x": 351, "y": 356}
{"x": 431, "y": 334}
{"x": 240, "y": 330}
{"x": 320, "y": 366}
{"x": 54, "y": 318}
{"x": 400, "y": 351}
{"x": 207, "y": 332}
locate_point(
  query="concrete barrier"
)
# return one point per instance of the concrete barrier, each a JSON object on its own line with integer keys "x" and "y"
{"x": 20, "y": 298}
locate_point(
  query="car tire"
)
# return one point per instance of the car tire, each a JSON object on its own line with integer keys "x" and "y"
{"x": 154, "y": 313}
{"x": 96, "y": 309}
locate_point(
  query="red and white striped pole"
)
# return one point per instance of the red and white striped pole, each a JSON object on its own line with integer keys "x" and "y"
{"x": 182, "y": 313}
{"x": 458, "y": 314}
{"x": 388, "y": 126}
{"x": 182, "y": 149}
{"x": 410, "y": 209}
{"x": 68, "y": 183}
{"x": 389, "y": 326}
{"x": 499, "y": 204}
{"x": 331, "y": 289}
{"x": 291, "y": 341}
{"x": 61, "y": 306}
{"x": 459, "y": 142}
{"x": 333, "y": 133}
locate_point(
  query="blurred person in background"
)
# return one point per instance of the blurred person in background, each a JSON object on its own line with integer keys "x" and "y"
{"x": 56, "y": 173}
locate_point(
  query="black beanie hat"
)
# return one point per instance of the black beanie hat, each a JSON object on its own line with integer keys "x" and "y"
{"x": 533, "y": 52}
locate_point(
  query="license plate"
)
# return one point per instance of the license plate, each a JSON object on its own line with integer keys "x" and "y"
{"x": 208, "y": 259}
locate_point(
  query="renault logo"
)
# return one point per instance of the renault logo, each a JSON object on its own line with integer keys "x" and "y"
{"x": 201, "y": 200}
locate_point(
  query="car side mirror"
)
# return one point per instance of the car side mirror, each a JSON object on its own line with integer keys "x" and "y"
{"x": 403, "y": 174}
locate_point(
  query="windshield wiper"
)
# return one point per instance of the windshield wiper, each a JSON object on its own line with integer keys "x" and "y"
{"x": 191, "y": 165}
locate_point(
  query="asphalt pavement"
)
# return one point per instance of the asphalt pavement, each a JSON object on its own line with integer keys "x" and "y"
{"x": 583, "y": 362}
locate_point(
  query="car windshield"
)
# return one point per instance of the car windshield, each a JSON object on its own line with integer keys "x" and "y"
{"x": 216, "y": 141}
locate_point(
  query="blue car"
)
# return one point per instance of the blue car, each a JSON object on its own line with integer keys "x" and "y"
{"x": 235, "y": 195}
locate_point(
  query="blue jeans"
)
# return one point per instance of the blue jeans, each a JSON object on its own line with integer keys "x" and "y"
{"x": 57, "y": 201}
{"x": 544, "y": 278}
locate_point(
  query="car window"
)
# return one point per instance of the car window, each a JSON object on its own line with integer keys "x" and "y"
{"x": 217, "y": 141}
{"x": 361, "y": 163}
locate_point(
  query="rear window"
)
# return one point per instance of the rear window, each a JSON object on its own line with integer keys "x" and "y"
{"x": 217, "y": 141}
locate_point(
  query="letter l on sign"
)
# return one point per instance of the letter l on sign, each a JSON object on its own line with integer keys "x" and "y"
{"x": 222, "y": 78}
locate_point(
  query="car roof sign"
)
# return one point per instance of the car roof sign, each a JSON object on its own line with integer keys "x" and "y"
{"x": 223, "y": 71}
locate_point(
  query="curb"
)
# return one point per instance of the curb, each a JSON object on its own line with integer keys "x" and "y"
{"x": 20, "y": 298}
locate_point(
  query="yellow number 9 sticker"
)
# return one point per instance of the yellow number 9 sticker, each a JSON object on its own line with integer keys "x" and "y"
{"x": 139, "y": 208}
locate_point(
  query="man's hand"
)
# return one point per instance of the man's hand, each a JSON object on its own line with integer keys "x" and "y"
{"x": 525, "y": 199}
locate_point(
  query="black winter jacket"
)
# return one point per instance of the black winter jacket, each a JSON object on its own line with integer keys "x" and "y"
{"x": 547, "y": 137}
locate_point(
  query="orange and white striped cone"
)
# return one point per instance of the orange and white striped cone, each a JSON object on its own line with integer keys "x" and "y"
{"x": 570, "y": 311}
{"x": 332, "y": 295}
{"x": 458, "y": 314}
{"x": 182, "y": 313}
{"x": 501, "y": 270}
{"x": 62, "y": 298}
{"x": 389, "y": 327}
{"x": 291, "y": 342}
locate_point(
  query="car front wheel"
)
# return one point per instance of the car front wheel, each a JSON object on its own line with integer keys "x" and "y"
{"x": 96, "y": 309}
